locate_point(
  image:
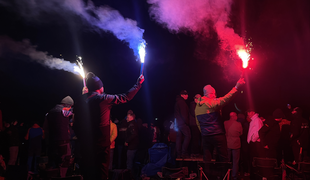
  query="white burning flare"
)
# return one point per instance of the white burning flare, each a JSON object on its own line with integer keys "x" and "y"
{"x": 80, "y": 69}
{"x": 142, "y": 51}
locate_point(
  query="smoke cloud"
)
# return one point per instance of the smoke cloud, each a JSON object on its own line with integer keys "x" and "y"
{"x": 197, "y": 17}
{"x": 101, "y": 18}
{"x": 8, "y": 45}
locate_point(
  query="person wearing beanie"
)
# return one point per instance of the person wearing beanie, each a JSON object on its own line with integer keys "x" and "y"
{"x": 92, "y": 124}
{"x": 181, "y": 114}
{"x": 212, "y": 129}
{"x": 57, "y": 124}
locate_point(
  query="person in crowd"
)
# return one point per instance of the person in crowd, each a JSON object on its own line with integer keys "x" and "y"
{"x": 132, "y": 140}
{"x": 270, "y": 134}
{"x": 299, "y": 136}
{"x": 181, "y": 114}
{"x": 34, "y": 136}
{"x": 92, "y": 121}
{"x": 73, "y": 138}
{"x": 155, "y": 133}
{"x": 120, "y": 143}
{"x": 253, "y": 139}
{"x": 172, "y": 137}
{"x": 208, "y": 118}
{"x": 58, "y": 119}
{"x": 14, "y": 142}
{"x": 195, "y": 143}
{"x": 233, "y": 130}
{"x": 284, "y": 150}
{"x": 245, "y": 162}
{"x": 113, "y": 135}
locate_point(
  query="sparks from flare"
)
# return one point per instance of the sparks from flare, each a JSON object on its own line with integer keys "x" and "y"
{"x": 80, "y": 69}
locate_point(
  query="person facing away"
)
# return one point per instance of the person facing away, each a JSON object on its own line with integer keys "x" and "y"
{"x": 34, "y": 135}
{"x": 207, "y": 113}
{"x": 93, "y": 124}
{"x": 233, "y": 130}
{"x": 181, "y": 114}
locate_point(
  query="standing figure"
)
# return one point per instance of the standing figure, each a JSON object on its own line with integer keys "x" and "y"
{"x": 233, "y": 132}
{"x": 113, "y": 135}
{"x": 211, "y": 126}
{"x": 93, "y": 125}
{"x": 195, "y": 143}
{"x": 58, "y": 120}
{"x": 34, "y": 136}
{"x": 181, "y": 114}
{"x": 13, "y": 142}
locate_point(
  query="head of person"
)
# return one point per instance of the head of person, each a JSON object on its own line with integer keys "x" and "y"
{"x": 196, "y": 97}
{"x": 233, "y": 116}
{"x": 130, "y": 116}
{"x": 67, "y": 101}
{"x": 250, "y": 112}
{"x": 209, "y": 92}
{"x": 94, "y": 83}
{"x": 184, "y": 94}
{"x": 278, "y": 114}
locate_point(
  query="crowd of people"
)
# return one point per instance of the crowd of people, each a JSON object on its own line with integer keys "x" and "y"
{"x": 88, "y": 141}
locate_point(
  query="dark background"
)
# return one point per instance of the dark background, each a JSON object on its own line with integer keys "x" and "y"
{"x": 279, "y": 31}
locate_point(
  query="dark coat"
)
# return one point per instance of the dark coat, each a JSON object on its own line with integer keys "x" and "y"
{"x": 132, "y": 135}
{"x": 181, "y": 112}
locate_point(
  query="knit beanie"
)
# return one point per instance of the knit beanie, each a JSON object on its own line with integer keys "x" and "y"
{"x": 67, "y": 100}
{"x": 93, "y": 82}
{"x": 208, "y": 89}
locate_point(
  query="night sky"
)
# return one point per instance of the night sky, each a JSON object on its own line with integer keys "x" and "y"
{"x": 279, "y": 31}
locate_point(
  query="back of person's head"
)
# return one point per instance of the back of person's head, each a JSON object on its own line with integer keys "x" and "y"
{"x": 67, "y": 101}
{"x": 93, "y": 82}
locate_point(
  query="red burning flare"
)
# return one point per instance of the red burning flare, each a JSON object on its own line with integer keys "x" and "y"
{"x": 245, "y": 57}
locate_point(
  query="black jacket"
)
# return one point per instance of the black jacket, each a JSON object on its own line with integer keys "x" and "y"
{"x": 132, "y": 135}
{"x": 181, "y": 112}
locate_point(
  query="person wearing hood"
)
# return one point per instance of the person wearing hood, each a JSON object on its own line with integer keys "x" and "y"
{"x": 57, "y": 120}
{"x": 299, "y": 135}
{"x": 92, "y": 120}
{"x": 181, "y": 114}
{"x": 212, "y": 129}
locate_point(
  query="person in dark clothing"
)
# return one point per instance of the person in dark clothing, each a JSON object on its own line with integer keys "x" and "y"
{"x": 270, "y": 134}
{"x": 132, "y": 140}
{"x": 195, "y": 143}
{"x": 14, "y": 142}
{"x": 34, "y": 136}
{"x": 299, "y": 135}
{"x": 245, "y": 162}
{"x": 92, "y": 122}
{"x": 120, "y": 144}
{"x": 58, "y": 120}
{"x": 181, "y": 114}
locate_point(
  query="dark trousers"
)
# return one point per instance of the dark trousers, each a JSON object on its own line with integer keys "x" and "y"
{"x": 234, "y": 156}
{"x": 218, "y": 142}
{"x": 111, "y": 158}
{"x": 195, "y": 143}
{"x": 182, "y": 146}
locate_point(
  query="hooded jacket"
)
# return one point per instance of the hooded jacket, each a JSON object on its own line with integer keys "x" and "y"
{"x": 207, "y": 113}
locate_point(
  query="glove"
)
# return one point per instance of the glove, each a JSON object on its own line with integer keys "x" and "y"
{"x": 140, "y": 79}
{"x": 240, "y": 83}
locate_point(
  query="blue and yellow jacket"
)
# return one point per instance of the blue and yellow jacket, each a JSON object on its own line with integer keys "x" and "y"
{"x": 207, "y": 113}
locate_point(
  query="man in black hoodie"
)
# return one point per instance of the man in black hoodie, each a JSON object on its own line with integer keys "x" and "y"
{"x": 92, "y": 115}
{"x": 181, "y": 114}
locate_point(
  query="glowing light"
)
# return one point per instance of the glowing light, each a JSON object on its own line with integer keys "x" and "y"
{"x": 80, "y": 69}
{"x": 245, "y": 57}
{"x": 142, "y": 51}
